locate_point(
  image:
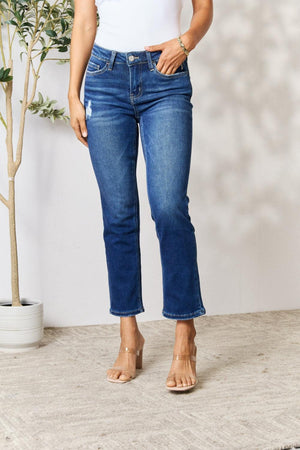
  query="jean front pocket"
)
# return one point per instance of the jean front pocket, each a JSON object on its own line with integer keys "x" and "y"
{"x": 180, "y": 71}
{"x": 96, "y": 65}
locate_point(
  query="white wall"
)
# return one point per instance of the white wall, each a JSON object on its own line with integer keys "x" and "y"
{"x": 244, "y": 182}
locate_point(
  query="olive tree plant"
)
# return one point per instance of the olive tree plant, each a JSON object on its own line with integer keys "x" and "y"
{"x": 42, "y": 27}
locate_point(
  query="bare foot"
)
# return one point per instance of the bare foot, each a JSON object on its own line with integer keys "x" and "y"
{"x": 183, "y": 372}
{"x": 124, "y": 367}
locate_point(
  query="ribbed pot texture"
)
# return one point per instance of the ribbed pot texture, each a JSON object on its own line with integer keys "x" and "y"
{"x": 21, "y": 327}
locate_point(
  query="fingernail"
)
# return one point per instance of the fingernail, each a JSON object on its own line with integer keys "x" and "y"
{"x": 84, "y": 134}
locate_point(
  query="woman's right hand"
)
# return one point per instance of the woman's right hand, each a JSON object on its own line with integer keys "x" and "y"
{"x": 77, "y": 119}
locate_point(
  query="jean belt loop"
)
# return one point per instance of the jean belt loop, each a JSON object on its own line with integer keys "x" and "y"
{"x": 112, "y": 59}
{"x": 150, "y": 62}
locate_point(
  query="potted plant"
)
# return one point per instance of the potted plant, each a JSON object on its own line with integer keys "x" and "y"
{"x": 41, "y": 27}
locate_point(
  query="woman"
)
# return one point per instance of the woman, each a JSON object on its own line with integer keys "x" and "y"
{"x": 137, "y": 79}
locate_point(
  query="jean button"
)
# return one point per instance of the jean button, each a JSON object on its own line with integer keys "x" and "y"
{"x": 131, "y": 58}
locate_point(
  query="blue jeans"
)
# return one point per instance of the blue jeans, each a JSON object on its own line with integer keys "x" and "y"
{"x": 124, "y": 93}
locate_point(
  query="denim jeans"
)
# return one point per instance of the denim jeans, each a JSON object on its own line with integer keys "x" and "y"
{"x": 124, "y": 94}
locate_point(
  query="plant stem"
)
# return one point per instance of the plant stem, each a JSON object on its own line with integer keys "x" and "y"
{"x": 4, "y": 200}
{"x": 13, "y": 246}
{"x": 11, "y": 195}
{"x": 2, "y": 120}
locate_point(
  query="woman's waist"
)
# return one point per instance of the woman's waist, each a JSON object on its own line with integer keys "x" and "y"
{"x": 133, "y": 39}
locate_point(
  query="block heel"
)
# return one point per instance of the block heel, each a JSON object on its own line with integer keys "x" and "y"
{"x": 139, "y": 359}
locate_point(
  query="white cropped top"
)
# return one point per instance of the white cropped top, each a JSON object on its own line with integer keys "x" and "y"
{"x": 128, "y": 25}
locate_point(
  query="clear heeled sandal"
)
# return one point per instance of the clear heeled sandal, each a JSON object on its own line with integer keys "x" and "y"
{"x": 138, "y": 365}
{"x": 186, "y": 357}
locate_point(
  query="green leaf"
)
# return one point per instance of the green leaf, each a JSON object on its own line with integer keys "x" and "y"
{"x": 4, "y": 75}
{"x": 51, "y": 33}
{"x": 44, "y": 108}
{"x": 43, "y": 55}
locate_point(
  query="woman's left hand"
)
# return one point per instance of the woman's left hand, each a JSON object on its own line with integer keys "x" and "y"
{"x": 171, "y": 57}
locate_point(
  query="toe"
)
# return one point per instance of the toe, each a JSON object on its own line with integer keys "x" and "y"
{"x": 111, "y": 373}
{"x": 124, "y": 376}
{"x": 184, "y": 381}
{"x": 116, "y": 374}
{"x": 189, "y": 380}
{"x": 178, "y": 381}
{"x": 171, "y": 381}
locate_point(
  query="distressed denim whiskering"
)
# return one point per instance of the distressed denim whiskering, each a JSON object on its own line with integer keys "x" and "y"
{"x": 124, "y": 94}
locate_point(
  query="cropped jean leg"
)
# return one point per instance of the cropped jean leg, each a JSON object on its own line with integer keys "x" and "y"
{"x": 166, "y": 133}
{"x": 113, "y": 138}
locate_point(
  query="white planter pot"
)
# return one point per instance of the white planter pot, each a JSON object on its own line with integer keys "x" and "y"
{"x": 21, "y": 327}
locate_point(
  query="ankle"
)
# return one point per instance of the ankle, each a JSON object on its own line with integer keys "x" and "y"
{"x": 128, "y": 325}
{"x": 130, "y": 333}
{"x": 185, "y": 331}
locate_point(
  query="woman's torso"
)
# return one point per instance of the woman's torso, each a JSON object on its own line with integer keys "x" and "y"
{"x": 128, "y": 25}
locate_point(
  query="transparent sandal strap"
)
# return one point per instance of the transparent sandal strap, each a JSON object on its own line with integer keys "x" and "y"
{"x": 129, "y": 350}
{"x": 185, "y": 357}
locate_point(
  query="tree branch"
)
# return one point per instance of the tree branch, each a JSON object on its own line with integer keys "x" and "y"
{"x": 3, "y": 200}
{"x": 2, "y": 120}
